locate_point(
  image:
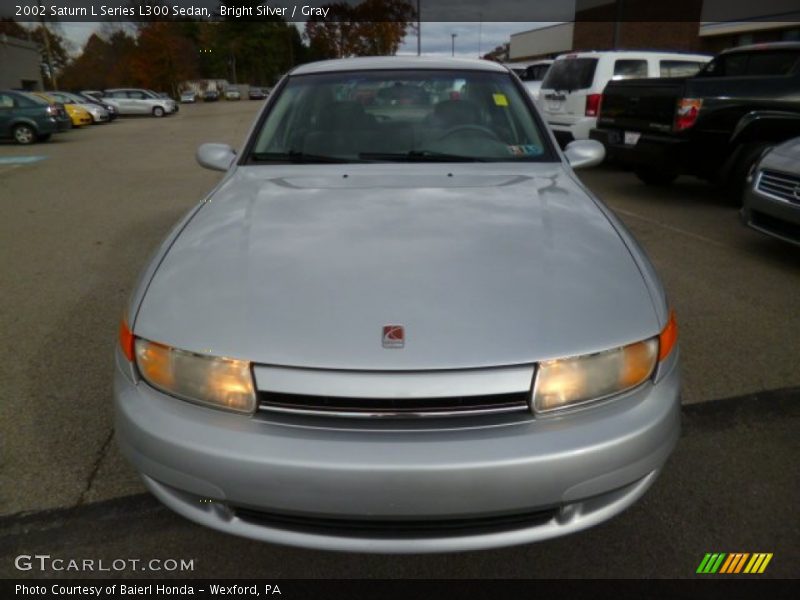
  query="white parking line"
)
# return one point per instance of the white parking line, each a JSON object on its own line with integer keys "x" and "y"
{"x": 695, "y": 236}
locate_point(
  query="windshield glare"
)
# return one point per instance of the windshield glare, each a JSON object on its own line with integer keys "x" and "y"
{"x": 392, "y": 116}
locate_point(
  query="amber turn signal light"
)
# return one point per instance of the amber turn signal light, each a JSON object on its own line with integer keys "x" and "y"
{"x": 668, "y": 337}
{"x": 126, "y": 340}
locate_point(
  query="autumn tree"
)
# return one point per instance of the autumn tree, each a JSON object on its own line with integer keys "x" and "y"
{"x": 373, "y": 27}
{"x": 104, "y": 62}
{"x": 163, "y": 57}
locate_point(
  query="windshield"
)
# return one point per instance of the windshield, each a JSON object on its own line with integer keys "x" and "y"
{"x": 570, "y": 74}
{"x": 399, "y": 116}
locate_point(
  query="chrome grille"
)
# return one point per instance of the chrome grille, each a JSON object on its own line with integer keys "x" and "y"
{"x": 392, "y": 407}
{"x": 779, "y": 185}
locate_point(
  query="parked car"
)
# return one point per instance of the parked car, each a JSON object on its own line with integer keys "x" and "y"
{"x": 533, "y": 75}
{"x": 176, "y": 106}
{"x": 232, "y": 94}
{"x": 210, "y": 96}
{"x": 78, "y": 115}
{"x": 572, "y": 90}
{"x": 98, "y": 113}
{"x": 27, "y": 118}
{"x": 188, "y": 97}
{"x": 255, "y": 93}
{"x": 398, "y": 328}
{"x": 772, "y": 198}
{"x": 134, "y": 101}
{"x": 110, "y": 107}
{"x": 714, "y": 125}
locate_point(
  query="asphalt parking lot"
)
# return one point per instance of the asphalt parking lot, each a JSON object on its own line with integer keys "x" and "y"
{"x": 79, "y": 217}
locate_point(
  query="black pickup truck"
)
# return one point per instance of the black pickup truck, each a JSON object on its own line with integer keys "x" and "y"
{"x": 714, "y": 125}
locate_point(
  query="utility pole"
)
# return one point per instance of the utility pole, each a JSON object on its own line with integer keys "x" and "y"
{"x": 617, "y": 23}
{"x": 480, "y": 33}
{"x": 47, "y": 49}
{"x": 419, "y": 27}
{"x": 453, "y": 37}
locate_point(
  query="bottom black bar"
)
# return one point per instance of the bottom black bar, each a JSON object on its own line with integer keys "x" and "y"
{"x": 416, "y": 589}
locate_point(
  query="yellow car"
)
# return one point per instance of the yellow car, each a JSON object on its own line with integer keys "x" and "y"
{"x": 79, "y": 116}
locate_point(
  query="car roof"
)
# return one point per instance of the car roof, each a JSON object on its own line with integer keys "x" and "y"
{"x": 646, "y": 53}
{"x": 397, "y": 62}
{"x": 764, "y": 46}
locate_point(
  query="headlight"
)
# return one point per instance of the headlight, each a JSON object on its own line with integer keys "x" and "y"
{"x": 218, "y": 382}
{"x": 577, "y": 380}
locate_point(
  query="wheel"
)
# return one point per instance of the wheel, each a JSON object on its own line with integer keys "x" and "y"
{"x": 24, "y": 134}
{"x": 650, "y": 176}
{"x": 158, "y": 111}
{"x": 736, "y": 182}
{"x": 43, "y": 137}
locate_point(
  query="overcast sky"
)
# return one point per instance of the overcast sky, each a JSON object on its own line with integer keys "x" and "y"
{"x": 472, "y": 38}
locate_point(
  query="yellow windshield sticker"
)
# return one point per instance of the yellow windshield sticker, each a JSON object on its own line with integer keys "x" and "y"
{"x": 500, "y": 99}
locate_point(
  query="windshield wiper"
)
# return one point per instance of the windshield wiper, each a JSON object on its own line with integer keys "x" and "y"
{"x": 295, "y": 156}
{"x": 419, "y": 156}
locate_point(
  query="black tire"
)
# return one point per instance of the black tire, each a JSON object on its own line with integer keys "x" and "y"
{"x": 23, "y": 134}
{"x": 158, "y": 112}
{"x": 650, "y": 176}
{"x": 43, "y": 137}
{"x": 736, "y": 182}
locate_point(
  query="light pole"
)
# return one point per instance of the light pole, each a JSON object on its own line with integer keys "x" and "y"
{"x": 453, "y": 37}
{"x": 419, "y": 28}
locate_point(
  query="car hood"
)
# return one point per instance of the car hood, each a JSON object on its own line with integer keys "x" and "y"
{"x": 482, "y": 264}
{"x": 790, "y": 148}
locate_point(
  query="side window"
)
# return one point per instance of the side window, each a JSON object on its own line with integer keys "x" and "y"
{"x": 772, "y": 63}
{"x": 6, "y": 101}
{"x": 678, "y": 68}
{"x": 118, "y": 94}
{"x": 732, "y": 65}
{"x": 136, "y": 95}
{"x": 629, "y": 69}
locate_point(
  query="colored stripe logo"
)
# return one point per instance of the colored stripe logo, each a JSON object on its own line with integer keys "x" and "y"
{"x": 734, "y": 563}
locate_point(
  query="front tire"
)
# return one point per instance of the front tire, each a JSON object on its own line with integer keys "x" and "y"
{"x": 656, "y": 177}
{"x": 24, "y": 134}
{"x": 158, "y": 112}
{"x": 734, "y": 186}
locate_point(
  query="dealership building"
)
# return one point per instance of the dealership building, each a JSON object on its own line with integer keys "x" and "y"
{"x": 613, "y": 24}
{"x": 20, "y": 64}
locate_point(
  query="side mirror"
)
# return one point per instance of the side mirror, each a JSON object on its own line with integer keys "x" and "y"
{"x": 217, "y": 157}
{"x": 582, "y": 154}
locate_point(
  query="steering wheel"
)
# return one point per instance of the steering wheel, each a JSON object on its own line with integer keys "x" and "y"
{"x": 475, "y": 128}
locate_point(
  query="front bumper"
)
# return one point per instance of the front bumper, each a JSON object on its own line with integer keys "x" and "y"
{"x": 568, "y": 129}
{"x": 654, "y": 151}
{"x": 548, "y": 476}
{"x": 772, "y": 216}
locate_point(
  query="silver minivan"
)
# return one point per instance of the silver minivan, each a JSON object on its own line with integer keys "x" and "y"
{"x": 134, "y": 101}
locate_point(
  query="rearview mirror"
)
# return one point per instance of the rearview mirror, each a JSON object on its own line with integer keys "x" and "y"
{"x": 582, "y": 154}
{"x": 217, "y": 157}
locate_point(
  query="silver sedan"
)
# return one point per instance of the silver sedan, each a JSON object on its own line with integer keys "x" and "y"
{"x": 400, "y": 323}
{"x": 772, "y": 200}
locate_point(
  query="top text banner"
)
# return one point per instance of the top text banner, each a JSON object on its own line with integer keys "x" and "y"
{"x": 390, "y": 10}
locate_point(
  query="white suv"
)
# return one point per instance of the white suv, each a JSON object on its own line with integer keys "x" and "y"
{"x": 572, "y": 90}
